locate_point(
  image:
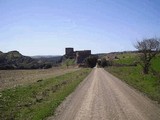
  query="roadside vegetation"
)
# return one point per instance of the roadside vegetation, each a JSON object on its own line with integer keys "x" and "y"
{"x": 91, "y": 61}
{"x": 134, "y": 76}
{"x": 68, "y": 62}
{"x": 38, "y": 100}
{"x": 155, "y": 65}
{"x": 103, "y": 62}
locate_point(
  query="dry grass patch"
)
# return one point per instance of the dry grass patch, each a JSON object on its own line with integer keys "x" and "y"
{"x": 12, "y": 78}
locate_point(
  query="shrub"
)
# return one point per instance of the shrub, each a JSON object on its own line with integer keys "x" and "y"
{"x": 91, "y": 61}
{"x": 104, "y": 62}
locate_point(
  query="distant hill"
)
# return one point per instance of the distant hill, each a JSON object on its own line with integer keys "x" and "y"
{"x": 15, "y": 60}
{"x": 45, "y": 56}
{"x": 54, "y": 60}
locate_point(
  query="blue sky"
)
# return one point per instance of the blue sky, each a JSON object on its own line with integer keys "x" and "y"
{"x": 46, "y": 27}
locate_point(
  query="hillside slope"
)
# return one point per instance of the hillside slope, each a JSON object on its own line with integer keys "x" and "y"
{"x": 15, "y": 60}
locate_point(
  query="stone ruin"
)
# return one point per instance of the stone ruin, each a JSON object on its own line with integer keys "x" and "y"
{"x": 79, "y": 56}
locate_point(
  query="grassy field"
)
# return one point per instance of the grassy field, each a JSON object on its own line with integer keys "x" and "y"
{"x": 148, "y": 84}
{"x": 38, "y": 100}
{"x": 12, "y": 78}
{"x": 126, "y": 58}
{"x": 130, "y": 58}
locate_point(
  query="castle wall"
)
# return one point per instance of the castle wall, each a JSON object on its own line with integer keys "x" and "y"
{"x": 82, "y": 55}
{"x": 79, "y": 55}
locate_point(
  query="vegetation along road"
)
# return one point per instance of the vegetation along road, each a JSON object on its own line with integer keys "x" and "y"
{"x": 101, "y": 96}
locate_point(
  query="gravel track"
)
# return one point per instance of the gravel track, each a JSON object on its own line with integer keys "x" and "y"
{"x": 101, "y": 96}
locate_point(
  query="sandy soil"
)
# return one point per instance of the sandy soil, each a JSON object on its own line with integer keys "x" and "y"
{"x": 12, "y": 78}
{"x": 101, "y": 96}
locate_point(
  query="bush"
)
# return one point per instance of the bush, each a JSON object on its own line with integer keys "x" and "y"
{"x": 99, "y": 63}
{"x": 104, "y": 62}
{"x": 47, "y": 66}
{"x": 91, "y": 61}
{"x": 116, "y": 57}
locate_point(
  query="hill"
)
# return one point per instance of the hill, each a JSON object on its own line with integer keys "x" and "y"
{"x": 15, "y": 60}
{"x": 54, "y": 60}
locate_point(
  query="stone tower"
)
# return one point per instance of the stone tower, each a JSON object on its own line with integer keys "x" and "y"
{"x": 69, "y": 51}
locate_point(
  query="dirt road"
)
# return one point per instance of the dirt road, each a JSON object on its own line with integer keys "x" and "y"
{"x": 102, "y": 96}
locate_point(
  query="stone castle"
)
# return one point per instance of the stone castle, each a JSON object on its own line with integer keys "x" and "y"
{"x": 79, "y": 56}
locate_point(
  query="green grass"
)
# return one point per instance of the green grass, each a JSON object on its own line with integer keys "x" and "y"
{"x": 126, "y": 58}
{"x": 68, "y": 62}
{"x": 38, "y": 100}
{"x": 130, "y": 58}
{"x": 156, "y": 63}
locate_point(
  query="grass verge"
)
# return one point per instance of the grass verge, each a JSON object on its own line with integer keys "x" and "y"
{"x": 39, "y": 100}
{"x": 148, "y": 84}
{"x": 126, "y": 58}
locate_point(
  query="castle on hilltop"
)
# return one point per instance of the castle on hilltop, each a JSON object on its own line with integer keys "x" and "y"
{"x": 79, "y": 56}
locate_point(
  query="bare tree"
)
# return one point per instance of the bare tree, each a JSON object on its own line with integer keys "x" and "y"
{"x": 148, "y": 48}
